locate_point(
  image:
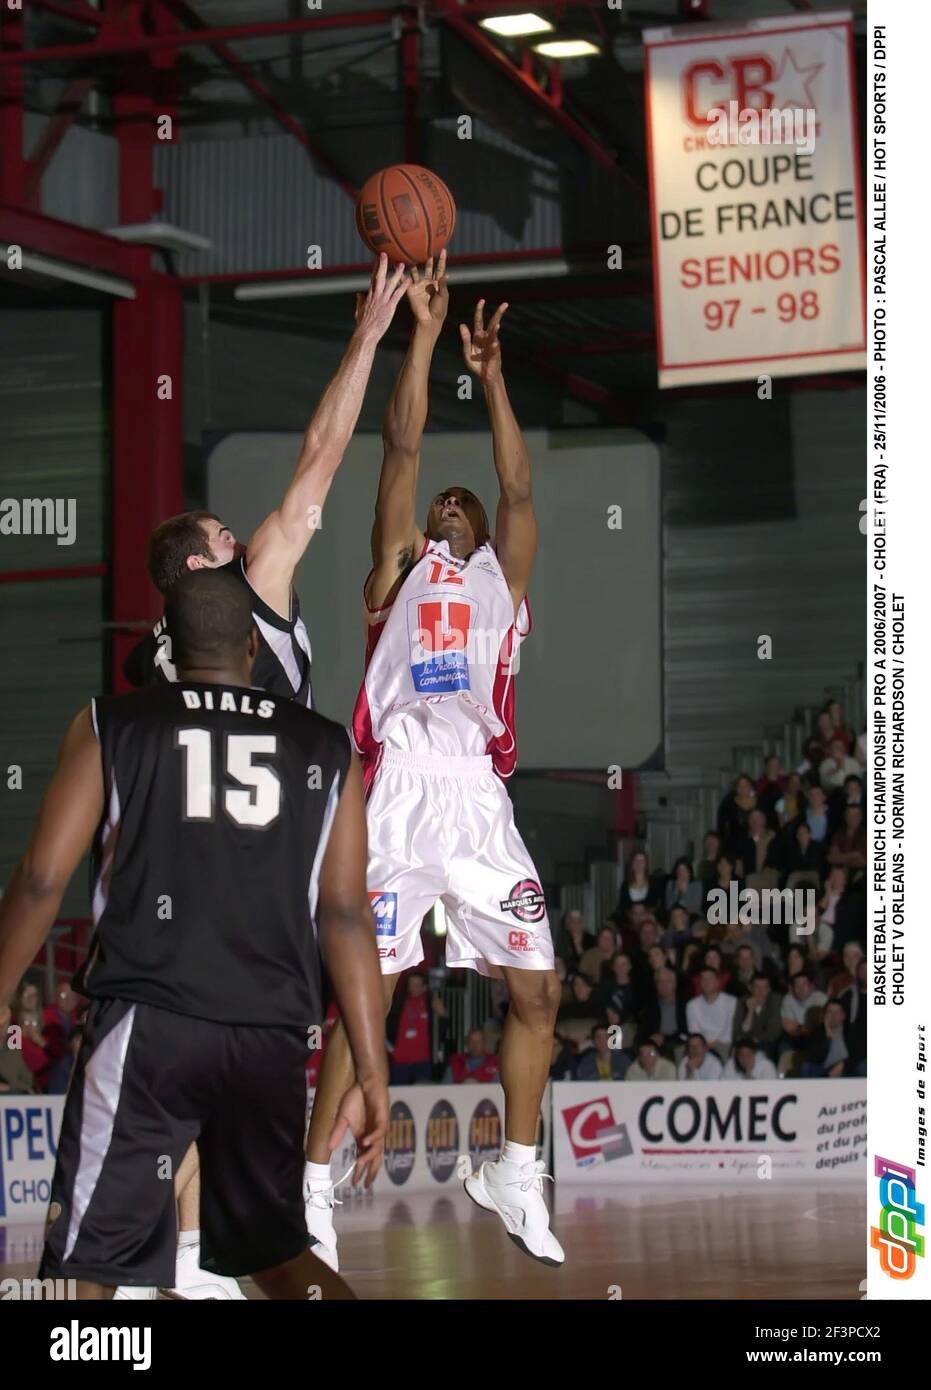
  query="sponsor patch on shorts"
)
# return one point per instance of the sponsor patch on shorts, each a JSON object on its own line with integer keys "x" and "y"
{"x": 525, "y": 901}
{"x": 385, "y": 911}
{"x": 521, "y": 941}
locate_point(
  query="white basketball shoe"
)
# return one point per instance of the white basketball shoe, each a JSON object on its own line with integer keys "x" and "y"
{"x": 192, "y": 1282}
{"x": 515, "y": 1192}
{"x": 319, "y": 1201}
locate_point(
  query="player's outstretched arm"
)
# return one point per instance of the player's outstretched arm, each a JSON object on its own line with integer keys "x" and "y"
{"x": 275, "y": 549}
{"x": 68, "y": 817}
{"x": 396, "y": 537}
{"x": 515, "y": 522}
{"x": 347, "y": 940}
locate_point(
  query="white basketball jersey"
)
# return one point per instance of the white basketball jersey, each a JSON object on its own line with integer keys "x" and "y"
{"x": 440, "y": 663}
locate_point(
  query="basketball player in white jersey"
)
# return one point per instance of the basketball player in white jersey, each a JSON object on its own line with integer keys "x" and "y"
{"x": 434, "y": 722}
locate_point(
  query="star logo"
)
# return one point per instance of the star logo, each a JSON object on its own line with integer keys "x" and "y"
{"x": 791, "y": 88}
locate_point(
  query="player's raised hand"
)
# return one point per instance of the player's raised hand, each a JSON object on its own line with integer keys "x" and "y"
{"x": 375, "y": 310}
{"x": 482, "y": 347}
{"x": 428, "y": 293}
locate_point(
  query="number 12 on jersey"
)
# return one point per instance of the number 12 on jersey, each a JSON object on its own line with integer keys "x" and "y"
{"x": 256, "y": 802}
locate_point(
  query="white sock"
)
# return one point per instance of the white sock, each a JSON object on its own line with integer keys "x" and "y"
{"x": 188, "y": 1238}
{"x": 518, "y": 1153}
{"x": 317, "y": 1175}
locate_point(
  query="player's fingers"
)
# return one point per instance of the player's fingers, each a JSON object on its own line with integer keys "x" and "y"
{"x": 415, "y": 275}
{"x": 361, "y": 1169}
{"x": 374, "y": 1167}
{"x": 496, "y": 318}
{"x": 396, "y": 277}
{"x": 428, "y": 269}
{"x": 441, "y": 266}
{"x": 338, "y": 1132}
{"x": 478, "y": 325}
{"x": 466, "y": 337}
{"x": 399, "y": 291}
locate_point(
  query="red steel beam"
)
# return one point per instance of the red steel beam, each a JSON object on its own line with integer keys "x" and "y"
{"x": 40, "y": 575}
{"x": 113, "y": 40}
{"x": 536, "y": 94}
{"x": 440, "y": 9}
{"x": 77, "y": 10}
{"x": 12, "y": 156}
{"x": 57, "y": 128}
{"x": 263, "y": 94}
{"x": 147, "y": 353}
{"x": 65, "y": 241}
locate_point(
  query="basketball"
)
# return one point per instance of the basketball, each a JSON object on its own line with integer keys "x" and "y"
{"x": 407, "y": 212}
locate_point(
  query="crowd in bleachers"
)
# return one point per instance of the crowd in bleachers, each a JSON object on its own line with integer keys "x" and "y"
{"x": 690, "y": 978}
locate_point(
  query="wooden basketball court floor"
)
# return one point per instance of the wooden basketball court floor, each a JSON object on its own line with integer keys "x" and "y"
{"x": 654, "y": 1243}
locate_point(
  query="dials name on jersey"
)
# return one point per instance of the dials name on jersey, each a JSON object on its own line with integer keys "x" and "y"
{"x": 228, "y": 702}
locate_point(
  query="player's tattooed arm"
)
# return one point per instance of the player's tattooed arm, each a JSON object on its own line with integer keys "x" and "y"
{"x": 276, "y": 548}
{"x": 396, "y": 538}
{"x": 346, "y": 930}
{"x": 515, "y": 522}
{"x": 68, "y": 817}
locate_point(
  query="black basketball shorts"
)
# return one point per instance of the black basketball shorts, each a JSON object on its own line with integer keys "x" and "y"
{"x": 147, "y": 1084}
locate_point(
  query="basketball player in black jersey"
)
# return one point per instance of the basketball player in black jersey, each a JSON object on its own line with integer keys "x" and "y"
{"x": 266, "y": 564}
{"x": 228, "y": 836}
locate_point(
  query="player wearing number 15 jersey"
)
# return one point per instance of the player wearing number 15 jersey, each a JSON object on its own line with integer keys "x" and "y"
{"x": 228, "y": 838}
{"x": 434, "y": 722}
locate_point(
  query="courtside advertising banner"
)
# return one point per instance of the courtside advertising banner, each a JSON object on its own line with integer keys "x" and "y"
{"x": 433, "y": 1131}
{"x": 756, "y": 206}
{"x": 897, "y": 507}
{"x": 719, "y": 1132}
{"x": 29, "y": 1128}
{"x": 437, "y": 1135}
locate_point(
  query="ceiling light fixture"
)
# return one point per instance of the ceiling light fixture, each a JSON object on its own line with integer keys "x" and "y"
{"x": 515, "y": 26}
{"x": 162, "y": 234}
{"x": 566, "y": 48}
{"x": 458, "y": 275}
{"x": 74, "y": 274}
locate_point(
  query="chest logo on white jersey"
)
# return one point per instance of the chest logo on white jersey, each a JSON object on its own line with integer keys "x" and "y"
{"x": 439, "y": 630}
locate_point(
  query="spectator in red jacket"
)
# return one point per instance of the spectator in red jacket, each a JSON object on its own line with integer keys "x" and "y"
{"x": 474, "y": 1065}
{"x": 411, "y": 1050}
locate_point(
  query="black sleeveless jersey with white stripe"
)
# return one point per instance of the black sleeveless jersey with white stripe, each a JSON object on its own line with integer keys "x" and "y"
{"x": 219, "y": 802}
{"x": 282, "y": 664}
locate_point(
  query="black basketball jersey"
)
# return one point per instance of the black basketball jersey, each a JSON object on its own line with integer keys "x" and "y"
{"x": 282, "y": 663}
{"x": 219, "y": 804}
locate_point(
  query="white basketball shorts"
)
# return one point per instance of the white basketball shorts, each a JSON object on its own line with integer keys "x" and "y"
{"x": 443, "y": 828}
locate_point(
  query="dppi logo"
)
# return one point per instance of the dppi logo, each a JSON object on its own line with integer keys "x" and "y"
{"x": 896, "y": 1237}
{"x": 484, "y": 1133}
{"x": 709, "y": 84}
{"x": 385, "y": 912}
{"x": 400, "y": 1143}
{"x": 442, "y": 1142}
{"x": 525, "y": 902}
